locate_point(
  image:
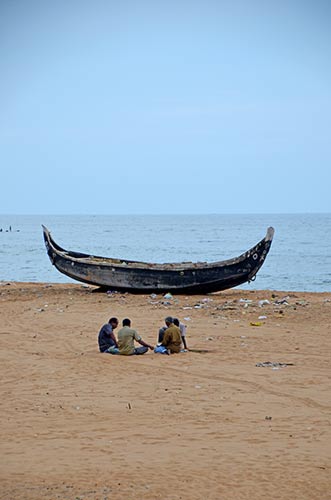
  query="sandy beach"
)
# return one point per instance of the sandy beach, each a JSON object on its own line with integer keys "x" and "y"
{"x": 206, "y": 424}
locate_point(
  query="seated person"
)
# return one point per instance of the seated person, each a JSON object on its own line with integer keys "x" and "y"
{"x": 126, "y": 337}
{"x": 172, "y": 340}
{"x": 182, "y": 328}
{"x": 106, "y": 339}
{"x": 161, "y": 333}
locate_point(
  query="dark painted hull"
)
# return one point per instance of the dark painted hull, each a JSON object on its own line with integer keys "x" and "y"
{"x": 141, "y": 277}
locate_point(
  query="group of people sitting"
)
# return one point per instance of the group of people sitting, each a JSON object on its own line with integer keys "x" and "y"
{"x": 171, "y": 338}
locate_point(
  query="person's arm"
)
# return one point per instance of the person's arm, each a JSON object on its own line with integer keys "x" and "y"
{"x": 166, "y": 339}
{"x": 141, "y": 342}
{"x": 112, "y": 336}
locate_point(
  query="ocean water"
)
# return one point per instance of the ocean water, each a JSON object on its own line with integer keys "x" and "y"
{"x": 299, "y": 258}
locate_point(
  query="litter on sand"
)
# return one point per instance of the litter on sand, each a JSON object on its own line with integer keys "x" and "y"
{"x": 274, "y": 365}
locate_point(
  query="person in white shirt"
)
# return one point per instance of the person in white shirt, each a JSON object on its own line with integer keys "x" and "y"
{"x": 182, "y": 328}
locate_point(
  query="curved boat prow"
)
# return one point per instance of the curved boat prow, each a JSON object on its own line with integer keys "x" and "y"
{"x": 270, "y": 234}
{"x": 266, "y": 244}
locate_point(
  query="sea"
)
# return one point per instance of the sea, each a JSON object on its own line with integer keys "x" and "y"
{"x": 299, "y": 258}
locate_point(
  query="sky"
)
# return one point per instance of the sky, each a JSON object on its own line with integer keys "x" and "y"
{"x": 174, "y": 107}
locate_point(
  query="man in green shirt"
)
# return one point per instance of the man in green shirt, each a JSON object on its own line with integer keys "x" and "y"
{"x": 126, "y": 337}
{"x": 172, "y": 339}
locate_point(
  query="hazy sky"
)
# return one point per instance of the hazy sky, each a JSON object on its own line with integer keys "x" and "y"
{"x": 165, "y": 106}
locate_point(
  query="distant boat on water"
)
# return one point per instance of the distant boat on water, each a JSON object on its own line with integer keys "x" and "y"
{"x": 142, "y": 277}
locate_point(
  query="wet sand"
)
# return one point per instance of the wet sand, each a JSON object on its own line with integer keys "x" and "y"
{"x": 206, "y": 424}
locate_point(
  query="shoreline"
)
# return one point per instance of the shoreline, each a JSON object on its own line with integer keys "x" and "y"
{"x": 94, "y": 287}
{"x": 211, "y": 423}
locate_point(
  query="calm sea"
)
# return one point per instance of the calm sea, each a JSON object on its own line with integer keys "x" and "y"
{"x": 299, "y": 258}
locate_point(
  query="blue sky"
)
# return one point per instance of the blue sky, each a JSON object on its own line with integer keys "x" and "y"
{"x": 165, "y": 107}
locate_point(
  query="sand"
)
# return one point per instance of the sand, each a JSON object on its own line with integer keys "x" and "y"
{"x": 208, "y": 424}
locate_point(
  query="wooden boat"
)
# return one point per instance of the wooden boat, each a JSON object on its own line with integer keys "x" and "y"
{"x": 142, "y": 277}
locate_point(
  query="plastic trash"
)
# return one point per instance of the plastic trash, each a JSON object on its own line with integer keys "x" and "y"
{"x": 275, "y": 365}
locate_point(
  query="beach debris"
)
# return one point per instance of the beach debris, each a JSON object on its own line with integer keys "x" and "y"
{"x": 168, "y": 296}
{"x": 268, "y": 418}
{"x": 263, "y": 302}
{"x": 301, "y": 303}
{"x": 227, "y": 306}
{"x": 209, "y": 338}
{"x": 245, "y": 301}
{"x": 256, "y": 323}
{"x": 129, "y": 406}
{"x": 273, "y": 364}
{"x": 283, "y": 301}
{"x": 262, "y": 317}
{"x": 187, "y": 318}
{"x": 153, "y": 296}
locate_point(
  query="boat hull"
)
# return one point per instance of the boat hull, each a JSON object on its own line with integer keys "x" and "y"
{"x": 139, "y": 277}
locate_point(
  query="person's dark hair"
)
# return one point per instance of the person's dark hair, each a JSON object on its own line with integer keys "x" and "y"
{"x": 126, "y": 322}
{"x": 176, "y": 321}
{"x": 113, "y": 320}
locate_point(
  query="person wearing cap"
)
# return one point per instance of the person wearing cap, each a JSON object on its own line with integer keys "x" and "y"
{"x": 172, "y": 340}
{"x": 126, "y": 337}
